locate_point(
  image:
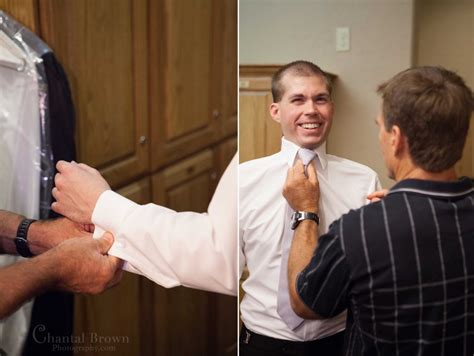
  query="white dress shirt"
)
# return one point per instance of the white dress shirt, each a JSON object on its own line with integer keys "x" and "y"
{"x": 344, "y": 185}
{"x": 190, "y": 249}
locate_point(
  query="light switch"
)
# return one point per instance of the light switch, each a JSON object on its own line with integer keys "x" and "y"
{"x": 243, "y": 84}
{"x": 343, "y": 39}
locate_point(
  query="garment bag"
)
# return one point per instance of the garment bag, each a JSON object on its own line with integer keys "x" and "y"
{"x": 26, "y": 165}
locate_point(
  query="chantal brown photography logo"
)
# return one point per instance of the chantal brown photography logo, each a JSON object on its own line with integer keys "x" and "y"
{"x": 83, "y": 342}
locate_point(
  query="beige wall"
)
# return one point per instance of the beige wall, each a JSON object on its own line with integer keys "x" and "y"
{"x": 278, "y": 31}
{"x": 445, "y": 36}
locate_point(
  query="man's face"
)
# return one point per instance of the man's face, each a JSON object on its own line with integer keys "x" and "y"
{"x": 305, "y": 111}
{"x": 384, "y": 142}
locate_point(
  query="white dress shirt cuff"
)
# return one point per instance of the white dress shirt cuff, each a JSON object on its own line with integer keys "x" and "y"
{"x": 112, "y": 210}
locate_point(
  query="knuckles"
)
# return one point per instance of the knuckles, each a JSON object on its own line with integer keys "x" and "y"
{"x": 58, "y": 180}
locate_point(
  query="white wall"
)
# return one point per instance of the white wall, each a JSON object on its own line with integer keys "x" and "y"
{"x": 280, "y": 31}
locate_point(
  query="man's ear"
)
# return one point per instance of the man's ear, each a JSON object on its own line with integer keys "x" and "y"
{"x": 398, "y": 140}
{"x": 275, "y": 112}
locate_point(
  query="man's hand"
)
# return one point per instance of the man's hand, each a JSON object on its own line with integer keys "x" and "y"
{"x": 85, "y": 267}
{"x": 46, "y": 234}
{"x": 377, "y": 195}
{"x": 301, "y": 191}
{"x": 77, "y": 265}
{"x": 77, "y": 190}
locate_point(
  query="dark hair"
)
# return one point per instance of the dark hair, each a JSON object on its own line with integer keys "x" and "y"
{"x": 432, "y": 106}
{"x": 297, "y": 68}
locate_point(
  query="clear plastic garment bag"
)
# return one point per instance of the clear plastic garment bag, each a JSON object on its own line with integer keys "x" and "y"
{"x": 26, "y": 162}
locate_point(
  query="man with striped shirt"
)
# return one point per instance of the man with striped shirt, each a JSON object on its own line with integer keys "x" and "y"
{"x": 403, "y": 266}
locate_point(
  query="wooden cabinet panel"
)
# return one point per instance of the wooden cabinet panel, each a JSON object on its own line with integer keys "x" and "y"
{"x": 225, "y": 308}
{"x": 181, "y": 322}
{"x": 23, "y": 11}
{"x": 226, "y": 322}
{"x": 139, "y": 192}
{"x": 183, "y": 76}
{"x": 182, "y": 311}
{"x": 188, "y": 186}
{"x": 196, "y": 191}
{"x": 187, "y": 31}
{"x": 118, "y": 314}
{"x": 102, "y": 45}
{"x": 113, "y": 315}
{"x": 193, "y": 76}
{"x": 229, "y": 68}
{"x": 260, "y": 135}
{"x": 224, "y": 154}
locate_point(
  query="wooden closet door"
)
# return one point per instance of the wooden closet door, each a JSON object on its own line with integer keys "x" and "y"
{"x": 23, "y": 11}
{"x": 118, "y": 320}
{"x": 259, "y": 135}
{"x": 224, "y": 306}
{"x": 103, "y": 47}
{"x": 227, "y": 110}
{"x": 183, "y": 317}
{"x": 184, "y": 46}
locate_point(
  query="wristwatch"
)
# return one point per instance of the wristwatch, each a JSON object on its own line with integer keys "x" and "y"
{"x": 299, "y": 216}
{"x": 21, "y": 239}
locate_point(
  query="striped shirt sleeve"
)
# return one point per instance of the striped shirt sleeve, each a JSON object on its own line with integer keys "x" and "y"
{"x": 324, "y": 284}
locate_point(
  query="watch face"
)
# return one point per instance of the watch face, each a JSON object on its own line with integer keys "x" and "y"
{"x": 294, "y": 220}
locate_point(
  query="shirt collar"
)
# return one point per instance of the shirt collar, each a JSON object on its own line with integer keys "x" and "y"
{"x": 289, "y": 151}
{"x": 463, "y": 186}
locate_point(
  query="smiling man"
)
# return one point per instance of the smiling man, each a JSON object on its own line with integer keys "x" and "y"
{"x": 304, "y": 109}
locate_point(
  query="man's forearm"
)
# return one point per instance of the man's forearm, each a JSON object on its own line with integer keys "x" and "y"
{"x": 9, "y": 223}
{"x": 37, "y": 234}
{"x": 23, "y": 280}
{"x": 42, "y": 234}
{"x": 305, "y": 241}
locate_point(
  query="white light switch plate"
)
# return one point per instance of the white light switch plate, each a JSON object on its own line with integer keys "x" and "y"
{"x": 343, "y": 39}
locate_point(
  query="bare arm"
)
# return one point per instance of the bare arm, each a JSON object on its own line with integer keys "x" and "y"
{"x": 302, "y": 193}
{"x": 8, "y": 225}
{"x": 42, "y": 234}
{"x": 77, "y": 265}
{"x": 22, "y": 281}
{"x": 304, "y": 243}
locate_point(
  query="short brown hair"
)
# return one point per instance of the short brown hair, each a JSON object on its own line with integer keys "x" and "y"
{"x": 432, "y": 106}
{"x": 298, "y": 68}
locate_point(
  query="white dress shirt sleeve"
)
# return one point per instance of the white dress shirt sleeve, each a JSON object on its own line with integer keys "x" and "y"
{"x": 374, "y": 185}
{"x": 170, "y": 248}
{"x": 241, "y": 251}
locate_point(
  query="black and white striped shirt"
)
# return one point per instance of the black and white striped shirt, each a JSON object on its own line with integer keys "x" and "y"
{"x": 404, "y": 268}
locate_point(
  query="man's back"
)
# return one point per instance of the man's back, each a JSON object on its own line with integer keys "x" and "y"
{"x": 411, "y": 258}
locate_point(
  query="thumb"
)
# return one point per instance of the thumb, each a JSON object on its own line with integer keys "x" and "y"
{"x": 312, "y": 177}
{"x": 298, "y": 166}
{"x": 105, "y": 242}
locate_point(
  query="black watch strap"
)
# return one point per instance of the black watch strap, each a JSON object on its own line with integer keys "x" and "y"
{"x": 299, "y": 216}
{"x": 21, "y": 240}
